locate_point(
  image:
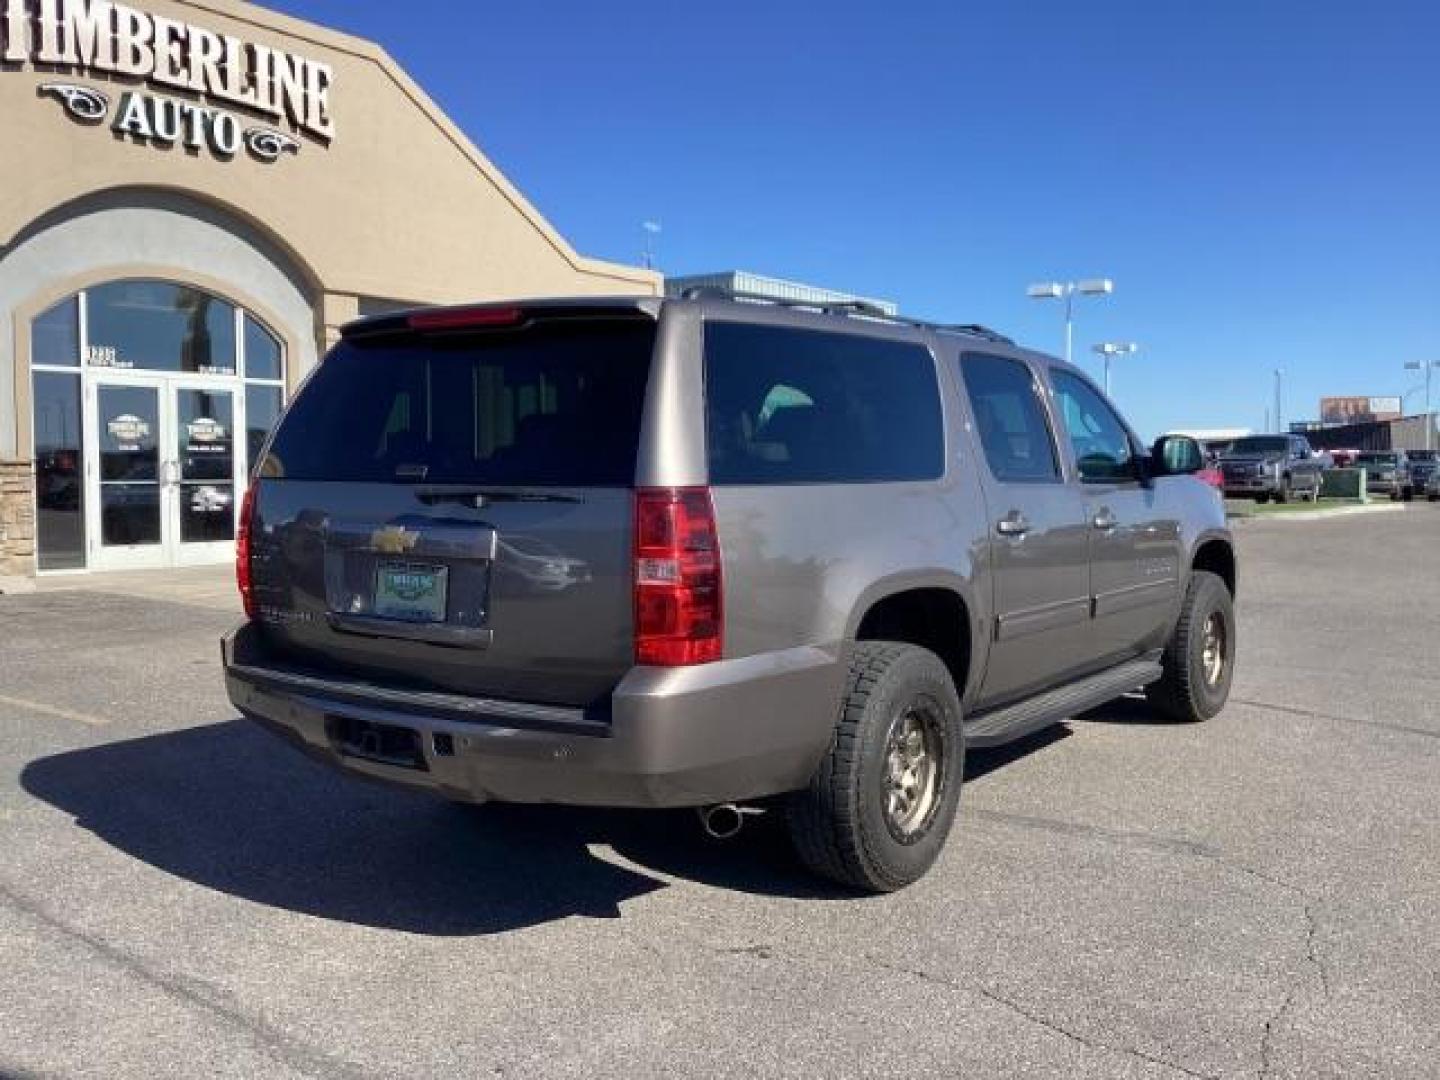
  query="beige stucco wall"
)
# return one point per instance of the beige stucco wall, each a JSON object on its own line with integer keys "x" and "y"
{"x": 401, "y": 204}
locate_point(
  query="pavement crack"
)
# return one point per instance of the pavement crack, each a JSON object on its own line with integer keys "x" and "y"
{"x": 198, "y": 994}
{"x": 1168, "y": 844}
{"x": 994, "y": 996}
{"x": 1267, "y": 1037}
{"x": 1312, "y": 948}
{"x": 1309, "y": 905}
{"x": 1310, "y": 714}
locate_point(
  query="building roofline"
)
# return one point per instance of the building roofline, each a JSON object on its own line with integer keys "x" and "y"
{"x": 361, "y": 48}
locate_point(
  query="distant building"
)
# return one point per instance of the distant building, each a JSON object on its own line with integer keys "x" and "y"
{"x": 739, "y": 281}
{"x": 1358, "y": 410}
{"x": 1404, "y": 433}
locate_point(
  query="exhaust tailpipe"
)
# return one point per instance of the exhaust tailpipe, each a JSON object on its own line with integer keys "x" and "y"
{"x": 723, "y": 822}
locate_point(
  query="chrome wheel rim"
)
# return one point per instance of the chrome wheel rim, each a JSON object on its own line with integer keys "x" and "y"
{"x": 1213, "y": 656}
{"x": 914, "y": 756}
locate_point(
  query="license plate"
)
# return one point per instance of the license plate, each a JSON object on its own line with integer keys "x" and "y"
{"x": 410, "y": 592}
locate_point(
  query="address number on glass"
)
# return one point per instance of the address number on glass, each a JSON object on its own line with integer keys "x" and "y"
{"x": 106, "y": 356}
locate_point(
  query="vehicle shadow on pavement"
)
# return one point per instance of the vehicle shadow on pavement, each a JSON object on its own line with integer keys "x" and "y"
{"x": 1132, "y": 709}
{"x": 980, "y": 763}
{"x": 230, "y": 808}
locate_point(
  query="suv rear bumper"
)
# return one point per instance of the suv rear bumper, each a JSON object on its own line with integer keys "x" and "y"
{"x": 722, "y": 732}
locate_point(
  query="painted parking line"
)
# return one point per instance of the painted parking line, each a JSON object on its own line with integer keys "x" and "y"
{"x": 52, "y": 711}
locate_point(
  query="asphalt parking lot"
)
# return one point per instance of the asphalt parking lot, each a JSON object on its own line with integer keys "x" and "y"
{"x": 180, "y": 895}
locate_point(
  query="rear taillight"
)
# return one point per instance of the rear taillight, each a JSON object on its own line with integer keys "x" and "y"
{"x": 242, "y": 551}
{"x": 679, "y": 618}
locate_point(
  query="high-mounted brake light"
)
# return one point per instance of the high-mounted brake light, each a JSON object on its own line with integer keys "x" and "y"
{"x": 465, "y": 318}
{"x": 679, "y": 615}
{"x": 243, "y": 577}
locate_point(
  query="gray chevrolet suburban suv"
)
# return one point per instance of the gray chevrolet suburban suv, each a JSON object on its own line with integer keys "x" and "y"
{"x": 715, "y": 554}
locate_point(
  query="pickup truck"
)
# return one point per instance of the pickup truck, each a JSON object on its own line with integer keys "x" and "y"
{"x": 1265, "y": 467}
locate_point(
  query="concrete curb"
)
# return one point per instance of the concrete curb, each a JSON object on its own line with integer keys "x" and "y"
{"x": 1320, "y": 515}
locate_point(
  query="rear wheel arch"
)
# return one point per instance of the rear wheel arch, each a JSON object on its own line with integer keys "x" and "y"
{"x": 935, "y": 617}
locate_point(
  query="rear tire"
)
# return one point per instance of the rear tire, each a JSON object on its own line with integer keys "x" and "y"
{"x": 1199, "y": 662}
{"x": 880, "y": 806}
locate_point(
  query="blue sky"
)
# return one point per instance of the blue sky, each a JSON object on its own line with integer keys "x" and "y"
{"x": 1261, "y": 178}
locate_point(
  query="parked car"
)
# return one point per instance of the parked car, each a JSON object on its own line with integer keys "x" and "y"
{"x": 801, "y": 561}
{"x": 1432, "y": 486}
{"x": 1423, "y": 465}
{"x": 1265, "y": 467}
{"x": 1387, "y": 473}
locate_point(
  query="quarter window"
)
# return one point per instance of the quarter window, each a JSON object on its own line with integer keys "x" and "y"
{"x": 1010, "y": 419}
{"x": 790, "y": 406}
{"x": 1104, "y": 452}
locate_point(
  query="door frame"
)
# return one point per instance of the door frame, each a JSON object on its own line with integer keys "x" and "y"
{"x": 218, "y": 551}
{"x": 171, "y": 551}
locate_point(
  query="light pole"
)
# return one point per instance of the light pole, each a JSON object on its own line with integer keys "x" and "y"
{"x": 652, "y": 229}
{"x": 1279, "y": 381}
{"x": 1066, "y": 290}
{"x": 1110, "y": 350}
{"x": 1426, "y": 366}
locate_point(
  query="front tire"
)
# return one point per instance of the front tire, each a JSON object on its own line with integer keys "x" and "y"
{"x": 880, "y": 806}
{"x": 1199, "y": 662}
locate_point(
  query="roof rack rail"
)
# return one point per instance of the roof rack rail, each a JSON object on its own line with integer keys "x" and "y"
{"x": 830, "y": 307}
{"x": 864, "y": 309}
{"x": 976, "y": 330}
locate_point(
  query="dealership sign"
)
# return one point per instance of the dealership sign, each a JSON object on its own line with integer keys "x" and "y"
{"x": 213, "y": 70}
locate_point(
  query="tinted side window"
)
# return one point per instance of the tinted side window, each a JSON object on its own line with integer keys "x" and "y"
{"x": 788, "y": 406}
{"x": 1010, "y": 418}
{"x": 1103, "y": 450}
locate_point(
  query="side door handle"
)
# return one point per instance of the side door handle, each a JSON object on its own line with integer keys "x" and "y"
{"x": 1013, "y": 525}
{"x": 1105, "y": 521}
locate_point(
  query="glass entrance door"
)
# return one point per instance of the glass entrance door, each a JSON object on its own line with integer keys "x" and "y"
{"x": 165, "y": 490}
{"x": 126, "y": 526}
{"x": 203, "y": 477}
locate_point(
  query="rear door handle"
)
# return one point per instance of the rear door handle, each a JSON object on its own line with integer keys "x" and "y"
{"x": 1105, "y": 521}
{"x": 1013, "y": 525}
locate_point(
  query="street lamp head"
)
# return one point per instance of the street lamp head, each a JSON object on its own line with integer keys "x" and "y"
{"x": 1115, "y": 348}
{"x": 1095, "y": 287}
{"x": 1050, "y": 290}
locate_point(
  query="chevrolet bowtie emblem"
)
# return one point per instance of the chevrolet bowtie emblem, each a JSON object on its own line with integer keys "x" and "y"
{"x": 394, "y": 540}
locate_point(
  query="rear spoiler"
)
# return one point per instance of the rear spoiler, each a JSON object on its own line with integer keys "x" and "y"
{"x": 501, "y": 316}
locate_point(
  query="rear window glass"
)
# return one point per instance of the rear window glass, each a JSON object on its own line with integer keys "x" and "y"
{"x": 547, "y": 406}
{"x": 790, "y": 406}
{"x": 1261, "y": 444}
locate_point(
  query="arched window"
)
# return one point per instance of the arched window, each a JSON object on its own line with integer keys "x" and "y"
{"x": 193, "y": 349}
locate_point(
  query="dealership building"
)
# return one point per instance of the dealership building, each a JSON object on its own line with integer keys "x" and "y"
{"x": 195, "y": 196}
